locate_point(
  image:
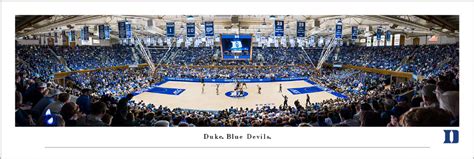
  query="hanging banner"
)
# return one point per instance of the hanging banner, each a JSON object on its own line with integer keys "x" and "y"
{"x": 209, "y": 28}
{"x": 379, "y": 33}
{"x": 300, "y": 42}
{"x": 388, "y": 36}
{"x": 101, "y": 32}
{"x": 170, "y": 29}
{"x": 300, "y": 29}
{"x": 160, "y": 42}
{"x": 104, "y": 32}
{"x": 355, "y": 32}
{"x": 369, "y": 41}
{"x": 190, "y": 29}
{"x": 375, "y": 42}
{"x": 292, "y": 42}
{"x": 81, "y": 34}
{"x": 72, "y": 36}
{"x": 396, "y": 40}
{"x": 55, "y": 37}
{"x": 153, "y": 41}
{"x": 107, "y": 32}
{"x": 279, "y": 27}
{"x": 85, "y": 33}
{"x": 128, "y": 28}
{"x": 283, "y": 41}
{"x": 320, "y": 41}
{"x": 121, "y": 28}
{"x": 382, "y": 41}
{"x": 64, "y": 37}
{"x": 168, "y": 41}
{"x": 327, "y": 41}
{"x": 338, "y": 32}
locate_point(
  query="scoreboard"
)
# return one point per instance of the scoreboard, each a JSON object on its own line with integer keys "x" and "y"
{"x": 236, "y": 47}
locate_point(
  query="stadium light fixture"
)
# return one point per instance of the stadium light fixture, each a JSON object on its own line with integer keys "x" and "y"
{"x": 190, "y": 18}
{"x": 272, "y": 17}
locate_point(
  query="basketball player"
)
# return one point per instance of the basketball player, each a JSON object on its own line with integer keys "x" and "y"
{"x": 308, "y": 102}
{"x": 280, "y": 88}
{"x": 241, "y": 92}
{"x": 237, "y": 86}
{"x": 217, "y": 89}
{"x": 202, "y": 90}
{"x": 259, "y": 89}
{"x": 244, "y": 85}
{"x": 285, "y": 102}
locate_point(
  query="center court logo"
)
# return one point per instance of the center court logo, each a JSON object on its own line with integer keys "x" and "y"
{"x": 236, "y": 94}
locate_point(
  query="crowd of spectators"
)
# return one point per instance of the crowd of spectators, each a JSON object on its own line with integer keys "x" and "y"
{"x": 426, "y": 60}
{"x": 36, "y": 62}
{"x": 102, "y": 97}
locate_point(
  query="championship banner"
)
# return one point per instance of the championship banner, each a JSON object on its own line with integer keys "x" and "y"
{"x": 81, "y": 34}
{"x": 279, "y": 27}
{"x": 128, "y": 29}
{"x": 170, "y": 29}
{"x": 72, "y": 36}
{"x": 354, "y": 32}
{"x": 379, "y": 33}
{"x": 121, "y": 28}
{"x": 101, "y": 32}
{"x": 209, "y": 28}
{"x": 107, "y": 32}
{"x": 85, "y": 33}
{"x": 55, "y": 37}
{"x": 190, "y": 29}
{"x": 300, "y": 29}
{"x": 338, "y": 32}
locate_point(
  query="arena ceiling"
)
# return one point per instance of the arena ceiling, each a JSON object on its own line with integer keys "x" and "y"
{"x": 151, "y": 25}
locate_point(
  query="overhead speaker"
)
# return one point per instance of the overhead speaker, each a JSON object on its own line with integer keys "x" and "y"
{"x": 317, "y": 23}
{"x": 149, "y": 23}
{"x": 234, "y": 19}
{"x": 393, "y": 26}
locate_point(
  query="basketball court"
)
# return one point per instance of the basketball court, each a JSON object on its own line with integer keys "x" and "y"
{"x": 189, "y": 94}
